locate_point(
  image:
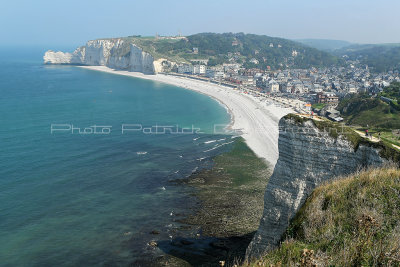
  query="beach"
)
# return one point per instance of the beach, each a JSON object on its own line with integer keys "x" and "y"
{"x": 254, "y": 119}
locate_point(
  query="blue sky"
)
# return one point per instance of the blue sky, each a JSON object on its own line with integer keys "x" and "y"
{"x": 56, "y": 22}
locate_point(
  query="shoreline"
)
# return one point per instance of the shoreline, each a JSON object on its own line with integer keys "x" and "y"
{"x": 256, "y": 121}
{"x": 230, "y": 196}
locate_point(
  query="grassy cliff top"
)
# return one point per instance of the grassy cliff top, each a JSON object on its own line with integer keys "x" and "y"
{"x": 353, "y": 221}
{"x": 334, "y": 129}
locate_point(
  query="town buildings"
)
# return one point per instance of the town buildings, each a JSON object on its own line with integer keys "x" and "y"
{"x": 327, "y": 98}
{"x": 315, "y": 85}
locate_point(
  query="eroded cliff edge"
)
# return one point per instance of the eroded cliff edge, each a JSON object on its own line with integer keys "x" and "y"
{"x": 114, "y": 53}
{"x": 310, "y": 152}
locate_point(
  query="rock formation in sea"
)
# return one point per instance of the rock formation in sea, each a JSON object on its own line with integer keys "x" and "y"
{"x": 114, "y": 53}
{"x": 308, "y": 156}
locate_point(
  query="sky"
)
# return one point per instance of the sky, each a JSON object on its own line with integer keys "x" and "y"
{"x": 72, "y": 22}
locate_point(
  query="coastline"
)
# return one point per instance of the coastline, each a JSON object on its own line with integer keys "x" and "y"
{"x": 256, "y": 121}
{"x": 229, "y": 210}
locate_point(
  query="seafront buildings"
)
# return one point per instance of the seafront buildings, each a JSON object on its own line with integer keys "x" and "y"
{"x": 314, "y": 85}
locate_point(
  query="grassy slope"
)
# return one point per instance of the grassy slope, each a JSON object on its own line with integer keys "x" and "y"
{"x": 350, "y": 221}
{"x": 364, "y": 110}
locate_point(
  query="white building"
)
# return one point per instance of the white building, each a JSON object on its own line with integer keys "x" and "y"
{"x": 185, "y": 68}
{"x": 351, "y": 89}
{"x": 318, "y": 88}
{"x": 233, "y": 68}
{"x": 299, "y": 87}
{"x": 215, "y": 73}
{"x": 273, "y": 86}
{"x": 254, "y": 61}
{"x": 199, "y": 69}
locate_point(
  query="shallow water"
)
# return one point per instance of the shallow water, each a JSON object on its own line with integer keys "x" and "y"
{"x": 68, "y": 198}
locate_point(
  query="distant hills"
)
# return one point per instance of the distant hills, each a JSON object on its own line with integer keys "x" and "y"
{"x": 324, "y": 44}
{"x": 253, "y": 51}
{"x": 379, "y": 57}
{"x": 353, "y": 48}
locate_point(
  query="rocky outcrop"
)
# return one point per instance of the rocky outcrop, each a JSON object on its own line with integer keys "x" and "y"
{"x": 77, "y": 57}
{"x": 308, "y": 156}
{"x": 113, "y": 53}
{"x": 140, "y": 61}
{"x": 97, "y": 52}
{"x": 57, "y": 57}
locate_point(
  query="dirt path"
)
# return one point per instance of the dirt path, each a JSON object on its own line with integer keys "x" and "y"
{"x": 398, "y": 147}
{"x": 314, "y": 117}
{"x": 374, "y": 139}
{"x": 362, "y": 134}
{"x": 370, "y": 137}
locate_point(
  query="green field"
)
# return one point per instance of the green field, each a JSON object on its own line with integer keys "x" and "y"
{"x": 318, "y": 105}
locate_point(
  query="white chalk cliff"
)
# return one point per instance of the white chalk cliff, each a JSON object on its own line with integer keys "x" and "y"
{"x": 308, "y": 156}
{"x": 113, "y": 53}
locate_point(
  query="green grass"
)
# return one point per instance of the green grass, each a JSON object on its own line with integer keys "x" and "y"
{"x": 379, "y": 116}
{"x": 372, "y": 112}
{"x": 335, "y": 130}
{"x": 390, "y": 138}
{"x": 352, "y": 221}
{"x": 318, "y": 105}
{"x": 385, "y": 136}
{"x": 392, "y": 92}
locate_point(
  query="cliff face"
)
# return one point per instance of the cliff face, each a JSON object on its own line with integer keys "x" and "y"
{"x": 113, "y": 53}
{"x": 308, "y": 156}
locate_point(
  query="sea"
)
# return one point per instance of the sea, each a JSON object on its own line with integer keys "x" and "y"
{"x": 88, "y": 160}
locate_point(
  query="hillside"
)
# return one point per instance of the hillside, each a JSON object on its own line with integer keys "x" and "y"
{"x": 353, "y": 221}
{"x": 324, "y": 44}
{"x": 264, "y": 51}
{"x": 380, "y": 58}
{"x": 364, "y": 110}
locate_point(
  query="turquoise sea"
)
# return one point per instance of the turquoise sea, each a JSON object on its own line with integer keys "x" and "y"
{"x": 68, "y": 198}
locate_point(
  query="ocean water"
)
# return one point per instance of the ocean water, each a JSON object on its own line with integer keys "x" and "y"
{"x": 74, "y": 198}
